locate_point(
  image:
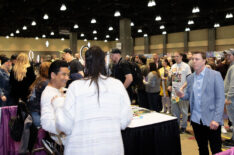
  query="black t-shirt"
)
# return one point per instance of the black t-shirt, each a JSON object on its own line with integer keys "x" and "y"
{"x": 75, "y": 66}
{"x": 121, "y": 69}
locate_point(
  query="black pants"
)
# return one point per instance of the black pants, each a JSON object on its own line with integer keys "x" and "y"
{"x": 203, "y": 134}
{"x": 143, "y": 99}
{"x": 155, "y": 102}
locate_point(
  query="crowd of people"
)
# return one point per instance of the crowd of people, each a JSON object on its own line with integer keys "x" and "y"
{"x": 88, "y": 107}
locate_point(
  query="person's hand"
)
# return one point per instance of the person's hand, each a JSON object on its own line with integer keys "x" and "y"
{"x": 179, "y": 93}
{"x": 214, "y": 125}
{"x": 227, "y": 102}
{"x": 3, "y": 98}
{"x": 169, "y": 88}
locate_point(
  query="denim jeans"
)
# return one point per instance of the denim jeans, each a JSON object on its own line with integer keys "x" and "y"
{"x": 36, "y": 119}
{"x": 230, "y": 112}
{"x": 180, "y": 108}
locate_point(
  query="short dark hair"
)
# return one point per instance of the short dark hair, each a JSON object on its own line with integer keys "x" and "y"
{"x": 143, "y": 59}
{"x": 14, "y": 56}
{"x": 67, "y": 50}
{"x": 56, "y": 65}
{"x": 203, "y": 54}
{"x": 115, "y": 51}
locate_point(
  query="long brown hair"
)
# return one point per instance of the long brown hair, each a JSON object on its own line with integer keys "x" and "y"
{"x": 43, "y": 74}
{"x": 94, "y": 65}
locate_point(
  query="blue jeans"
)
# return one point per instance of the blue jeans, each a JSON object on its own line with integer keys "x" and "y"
{"x": 180, "y": 108}
{"x": 230, "y": 112}
{"x": 36, "y": 119}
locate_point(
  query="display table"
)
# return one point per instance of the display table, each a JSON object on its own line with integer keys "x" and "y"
{"x": 152, "y": 133}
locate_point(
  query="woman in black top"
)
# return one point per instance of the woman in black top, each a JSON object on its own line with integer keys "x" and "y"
{"x": 21, "y": 77}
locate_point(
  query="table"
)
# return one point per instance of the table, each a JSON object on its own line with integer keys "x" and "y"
{"x": 152, "y": 134}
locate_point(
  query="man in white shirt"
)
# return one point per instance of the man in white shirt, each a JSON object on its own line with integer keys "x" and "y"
{"x": 58, "y": 75}
{"x": 179, "y": 72}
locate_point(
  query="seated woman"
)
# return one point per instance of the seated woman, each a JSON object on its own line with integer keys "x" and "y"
{"x": 96, "y": 108}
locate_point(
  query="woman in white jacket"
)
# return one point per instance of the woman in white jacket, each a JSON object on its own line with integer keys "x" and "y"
{"x": 96, "y": 109}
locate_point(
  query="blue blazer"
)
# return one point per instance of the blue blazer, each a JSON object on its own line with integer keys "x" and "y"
{"x": 212, "y": 99}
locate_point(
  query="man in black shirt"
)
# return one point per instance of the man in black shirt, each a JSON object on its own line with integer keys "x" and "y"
{"x": 75, "y": 67}
{"x": 121, "y": 70}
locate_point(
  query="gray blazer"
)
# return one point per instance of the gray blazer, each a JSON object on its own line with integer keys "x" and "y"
{"x": 212, "y": 99}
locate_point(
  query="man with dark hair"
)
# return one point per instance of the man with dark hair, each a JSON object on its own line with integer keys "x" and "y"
{"x": 58, "y": 75}
{"x": 13, "y": 59}
{"x": 4, "y": 82}
{"x": 74, "y": 65}
{"x": 229, "y": 92}
{"x": 121, "y": 70}
{"x": 205, "y": 92}
{"x": 178, "y": 73}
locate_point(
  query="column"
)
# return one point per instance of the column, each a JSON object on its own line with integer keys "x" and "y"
{"x": 125, "y": 36}
{"x": 211, "y": 39}
{"x": 186, "y": 40}
{"x": 164, "y": 44}
{"x": 146, "y": 44}
{"x": 73, "y": 42}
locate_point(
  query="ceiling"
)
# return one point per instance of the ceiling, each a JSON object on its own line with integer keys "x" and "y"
{"x": 14, "y": 14}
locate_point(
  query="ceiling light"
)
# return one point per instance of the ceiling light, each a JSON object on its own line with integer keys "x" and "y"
{"x": 132, "y": 24}
{"x": 62, "y": 39}
{"x": 52, "y": 33}
{"x": 195, "y": 10}
{"x": 12, "y": 34}
{"x": 229, "y": 15}
{"x": 162, "y": 27}
{"x": 116, "y": 39}
{"x": 158, "y": 18}
{"x": 24, "y": 27}
{"x": 107, "y": 36}
{"x": 105, "y": 41}
{"x": 95, "y": 38}
{"x": 145, "y": 35}
{"x": 43, "y": 36}
{"x": 93, "y": 21}
{"x": 7, "y": 37}
{"x": 63, "y": 7}
{"x": 46, "y": 17}
{"x": 110, "y": 28}
{"x": 190, "y": 22}
{"x": 216, "y": 25}
{"x": 36, "y": 38}
{"x": 76, "y": 26}
{"x": 164, "y": 32}
{"x": 117, "y": 14}
{"x": 94, "y": 32}
{"x": 187, "y": 29}
{"x": 85, "y": 39}
{"x": 151, "y": 3}
{"x": 47, "y": 43}
{"x": 82, "y": 34}
{"x": 17, "y": 31}
{"x": 139, "y": 30}
{"x": 33, "y": 23}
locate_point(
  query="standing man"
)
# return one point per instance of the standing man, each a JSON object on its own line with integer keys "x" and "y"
{"x": 229, "y": 93}
{"x": 58, "y": 76}
{"x": 75, "y": 67}
{"x": 205, "y": 91}
{"x": 122, "y": 70}
{"x": 178, "y": 73}
{"x": 157, "y": 61}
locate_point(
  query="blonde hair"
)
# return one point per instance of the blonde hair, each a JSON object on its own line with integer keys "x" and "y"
{"x": 20, "y": 67}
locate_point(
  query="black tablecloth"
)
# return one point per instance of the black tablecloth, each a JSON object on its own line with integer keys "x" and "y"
{"x": 157, "y": 139}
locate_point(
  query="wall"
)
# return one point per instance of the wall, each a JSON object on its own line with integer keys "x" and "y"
{"x": 197, "y": 40}
{"x": 15, "y": 45}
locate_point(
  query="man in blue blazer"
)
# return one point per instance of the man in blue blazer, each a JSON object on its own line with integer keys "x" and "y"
{"x": 205, "y": 91}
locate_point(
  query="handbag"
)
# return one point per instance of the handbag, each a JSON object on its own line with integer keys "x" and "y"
{"x": 16, "y": 123}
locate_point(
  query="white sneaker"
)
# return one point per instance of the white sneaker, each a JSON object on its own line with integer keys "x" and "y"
{"x": 168, "y": 112}
{"x": 223, "y": 130}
